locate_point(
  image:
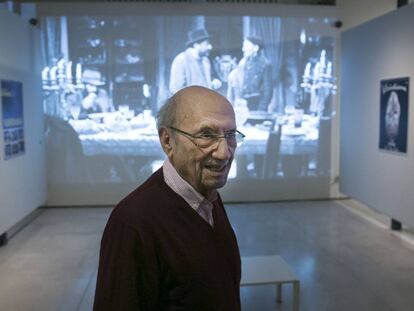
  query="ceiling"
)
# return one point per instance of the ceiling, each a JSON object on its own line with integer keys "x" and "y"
{"x": 305, "y": 2}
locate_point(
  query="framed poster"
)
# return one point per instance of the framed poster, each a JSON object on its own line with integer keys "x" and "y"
{"x": 394, "y": 114}
{"x": 13, "y": 129}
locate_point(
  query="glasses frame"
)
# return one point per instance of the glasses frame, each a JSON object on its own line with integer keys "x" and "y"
{"x": 216, "y": 138}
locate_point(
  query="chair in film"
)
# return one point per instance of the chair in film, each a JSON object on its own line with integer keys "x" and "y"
{"x": 272, "y": 155}
{"x": 65, "y": 159}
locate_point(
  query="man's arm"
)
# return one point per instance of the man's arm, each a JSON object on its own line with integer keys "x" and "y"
{"x": 178, "y": 78}
{"x": 267, "y": 88}
{"x": 124, "y": 281}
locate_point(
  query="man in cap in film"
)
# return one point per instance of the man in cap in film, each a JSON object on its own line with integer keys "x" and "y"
{"x": 251, "y": 80}
{"x": 169, "y": 244}
{"x": 193, "y": 67}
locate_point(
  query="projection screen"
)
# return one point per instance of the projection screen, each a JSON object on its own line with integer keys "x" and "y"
{"x": 108, "y": 69}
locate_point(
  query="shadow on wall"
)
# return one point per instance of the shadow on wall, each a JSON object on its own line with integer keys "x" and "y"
{"x": 65, "y": 160}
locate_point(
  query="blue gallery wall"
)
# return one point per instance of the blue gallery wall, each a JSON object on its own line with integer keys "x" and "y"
{"x": 22, "y": 178}
{"x": 377, "y": 50}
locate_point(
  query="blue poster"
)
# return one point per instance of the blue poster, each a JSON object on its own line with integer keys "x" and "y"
{"x": 13, "y": 129}
{"x": 394, "y": 114}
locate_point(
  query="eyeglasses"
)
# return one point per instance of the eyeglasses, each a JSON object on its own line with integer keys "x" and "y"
{"x": 210, "y": 140}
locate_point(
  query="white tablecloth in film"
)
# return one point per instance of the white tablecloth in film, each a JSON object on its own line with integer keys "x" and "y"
{"x": 138, "y": 143}
{"x": 144, "y": 142}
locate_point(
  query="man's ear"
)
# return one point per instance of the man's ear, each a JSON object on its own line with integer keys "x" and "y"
{"x": 166, "y": 141}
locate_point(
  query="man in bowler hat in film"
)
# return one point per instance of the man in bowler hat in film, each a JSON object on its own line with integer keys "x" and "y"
{"x": 192, "y": 66}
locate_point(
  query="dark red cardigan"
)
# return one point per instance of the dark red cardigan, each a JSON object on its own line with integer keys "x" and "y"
{"x": 158, "y": 254}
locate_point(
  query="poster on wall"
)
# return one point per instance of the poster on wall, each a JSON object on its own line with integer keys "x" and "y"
{"x": 13, "y": 129}
{"x": 394, "y": 115}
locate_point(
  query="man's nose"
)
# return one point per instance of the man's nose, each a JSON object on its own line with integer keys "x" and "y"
{"x": 223, "y": 151}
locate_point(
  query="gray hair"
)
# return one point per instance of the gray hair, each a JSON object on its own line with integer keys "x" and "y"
{"x": 166, "y": 116}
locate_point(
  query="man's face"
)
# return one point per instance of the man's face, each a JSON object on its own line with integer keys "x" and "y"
{"x": 249, "y": 48}
{"x": 72, "y": 100}
{"x": 90, "y": 88}
{"x": 204, "y": 48}
{"x": 206, "y": 169}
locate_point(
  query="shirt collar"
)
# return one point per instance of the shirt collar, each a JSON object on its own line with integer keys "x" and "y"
{"x": 183, "y": 188}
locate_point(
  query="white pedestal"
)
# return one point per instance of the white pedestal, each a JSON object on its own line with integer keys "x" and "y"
{"x": 270, "y": 270}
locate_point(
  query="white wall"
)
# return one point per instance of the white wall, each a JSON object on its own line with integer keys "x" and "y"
{"x": 356, "y": 12}
{"x": 22, "y": 179}
{"x": 377, "y": 50}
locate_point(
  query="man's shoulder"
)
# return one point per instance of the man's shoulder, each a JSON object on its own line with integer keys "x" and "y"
{"x": 181, "y": 56}
{"x": 265, "y": 60}
{"x": 145, "y": 201}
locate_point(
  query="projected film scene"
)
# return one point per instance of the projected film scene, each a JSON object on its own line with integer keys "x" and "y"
{"x": 105, "y": 78}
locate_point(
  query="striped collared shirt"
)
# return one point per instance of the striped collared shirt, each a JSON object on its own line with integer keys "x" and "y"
{"x": 197, "y": 201}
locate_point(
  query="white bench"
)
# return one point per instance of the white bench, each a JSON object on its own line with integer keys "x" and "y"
{"x": 263, "y": 270}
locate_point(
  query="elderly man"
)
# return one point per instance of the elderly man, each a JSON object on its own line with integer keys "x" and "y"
{"x": 192, "y": 66}
{"x": 169, "y": 245}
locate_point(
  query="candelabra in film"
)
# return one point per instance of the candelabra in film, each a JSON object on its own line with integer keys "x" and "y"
{"x": 319, "y": 83}
{"x": 57, "y": 82}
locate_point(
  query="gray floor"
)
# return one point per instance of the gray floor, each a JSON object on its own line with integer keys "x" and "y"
{"x": 343, "y": 261}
